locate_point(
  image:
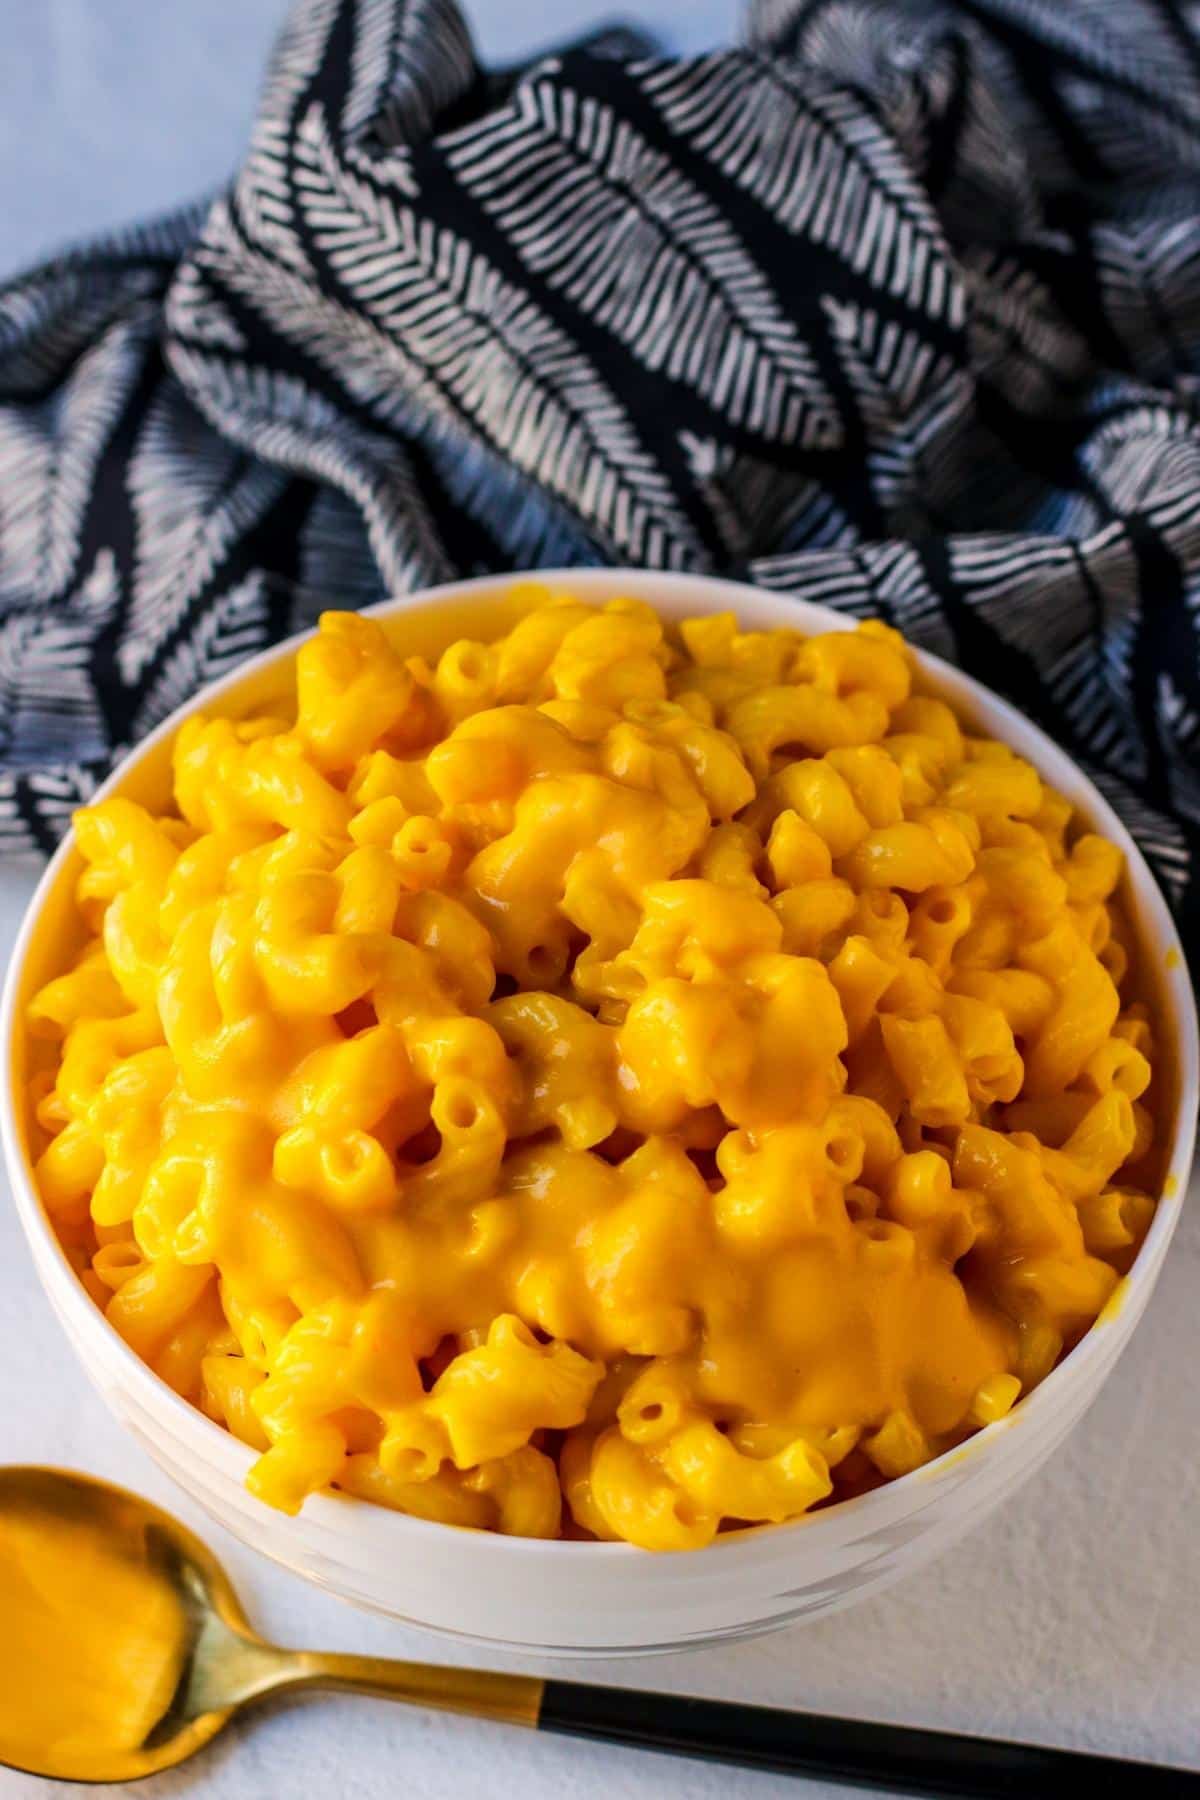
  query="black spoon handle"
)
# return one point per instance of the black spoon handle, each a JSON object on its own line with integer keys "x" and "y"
{"x": 864, "y": 1755}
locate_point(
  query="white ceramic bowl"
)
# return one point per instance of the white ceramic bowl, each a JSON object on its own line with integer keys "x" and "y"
{"x": 582, "y": 1598}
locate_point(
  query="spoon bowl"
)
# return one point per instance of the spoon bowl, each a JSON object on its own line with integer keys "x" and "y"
{"x": 128, "y": 1647}
{"x": 125, "y": 1648}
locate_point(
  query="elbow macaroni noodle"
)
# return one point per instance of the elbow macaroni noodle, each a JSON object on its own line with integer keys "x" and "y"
{"x": 614, "y": 1082}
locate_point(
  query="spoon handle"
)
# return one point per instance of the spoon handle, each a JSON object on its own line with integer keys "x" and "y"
{"x": 510, "y": 1699}
{"x": 853, "y": 1751}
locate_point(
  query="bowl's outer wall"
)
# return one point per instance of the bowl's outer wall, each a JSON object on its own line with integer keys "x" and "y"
{"x": 585, "y": 1598}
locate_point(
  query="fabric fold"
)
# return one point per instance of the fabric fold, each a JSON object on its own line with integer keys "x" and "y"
{"x": 896, "y": 306}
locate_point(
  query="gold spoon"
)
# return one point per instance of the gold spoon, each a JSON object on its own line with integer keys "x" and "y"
{"x": 123, "y": 1650}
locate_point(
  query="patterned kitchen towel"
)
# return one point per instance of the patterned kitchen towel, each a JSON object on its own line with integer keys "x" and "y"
{"x": 896, "y": 307}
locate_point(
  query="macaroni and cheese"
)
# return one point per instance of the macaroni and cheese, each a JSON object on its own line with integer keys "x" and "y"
{"x": 616, "y": 1081}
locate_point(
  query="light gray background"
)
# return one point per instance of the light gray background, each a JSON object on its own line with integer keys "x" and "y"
{"x": 1073, "y": 1618}
{"x": 112, "y": 109}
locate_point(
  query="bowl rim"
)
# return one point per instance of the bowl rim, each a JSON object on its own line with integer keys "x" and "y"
{"x": 709, "y": 594}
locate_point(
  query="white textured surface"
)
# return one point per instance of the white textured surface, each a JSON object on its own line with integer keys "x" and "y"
{"x": 1072, "y": 1618}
